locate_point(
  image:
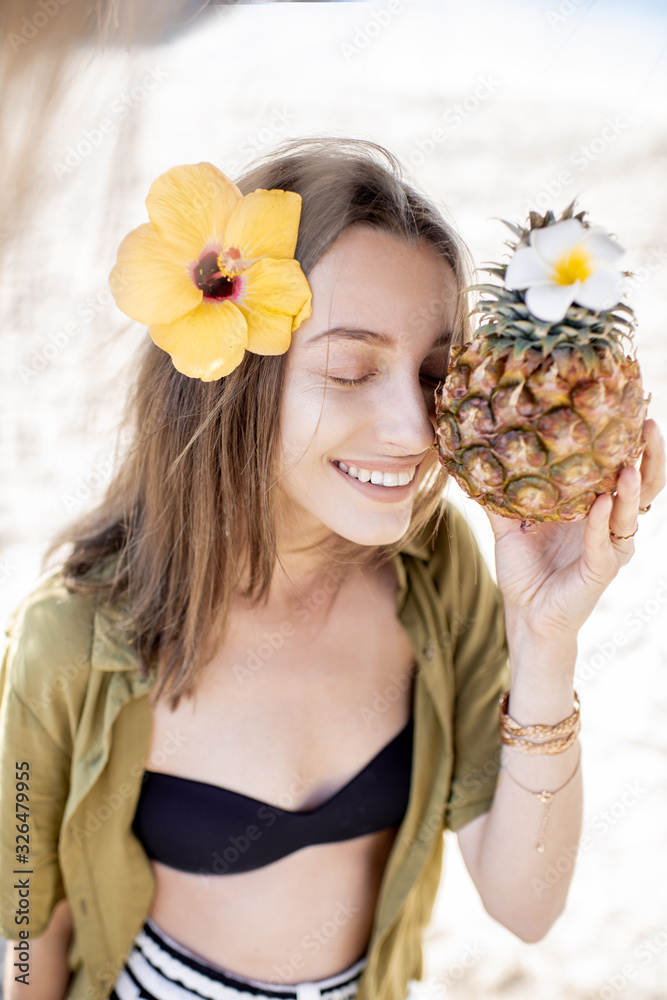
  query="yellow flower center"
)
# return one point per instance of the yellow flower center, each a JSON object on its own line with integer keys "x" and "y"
{"x": 573, "y": 265}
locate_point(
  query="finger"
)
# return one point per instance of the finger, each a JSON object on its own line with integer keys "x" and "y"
{"x": 625, "y": 508}
{"x": 597, "y": 542}
{"x": 499, "y": 525}
{"x": 652, "y": 466}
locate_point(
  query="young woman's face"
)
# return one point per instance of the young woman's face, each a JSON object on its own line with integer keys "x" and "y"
{"x": 375, "y": 286}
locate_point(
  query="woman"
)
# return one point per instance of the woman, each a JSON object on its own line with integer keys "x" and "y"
{"x": 247, "y": 628}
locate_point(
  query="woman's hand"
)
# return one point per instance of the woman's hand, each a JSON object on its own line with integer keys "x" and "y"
{"x": 553, "y": 575}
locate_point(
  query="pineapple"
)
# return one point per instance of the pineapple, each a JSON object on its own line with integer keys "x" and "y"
{"x": 537, "y": 418}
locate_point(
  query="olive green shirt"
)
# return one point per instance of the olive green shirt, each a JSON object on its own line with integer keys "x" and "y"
{"x": 76, "y": 723}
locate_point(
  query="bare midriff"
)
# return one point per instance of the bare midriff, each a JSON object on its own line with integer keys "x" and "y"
{"x": 289, "y": 731}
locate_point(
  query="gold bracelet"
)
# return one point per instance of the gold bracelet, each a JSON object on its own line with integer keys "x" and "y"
{"x": 543, "y": 796}
{"x": 559, "y": 745}
{"x": 512, "y": 727}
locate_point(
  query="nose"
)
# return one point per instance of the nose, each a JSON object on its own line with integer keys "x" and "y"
{"x": 406, "y": 421}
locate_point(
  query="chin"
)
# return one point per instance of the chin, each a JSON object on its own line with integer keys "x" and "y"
{"x": 383, "y": 528}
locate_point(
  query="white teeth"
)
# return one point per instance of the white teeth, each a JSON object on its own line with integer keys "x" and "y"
{"x": 376, "y": 477}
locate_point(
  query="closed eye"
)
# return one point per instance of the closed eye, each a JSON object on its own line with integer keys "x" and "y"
{"x": 432, "y": 380}
{"x": 350, "y": 381}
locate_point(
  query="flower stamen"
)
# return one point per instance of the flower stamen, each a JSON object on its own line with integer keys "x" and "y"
{"x": 231, "y": 262}
{"x": 573, "y": 265}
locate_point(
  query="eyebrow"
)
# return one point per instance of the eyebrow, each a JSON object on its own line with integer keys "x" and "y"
{"x": 372, "y": 337}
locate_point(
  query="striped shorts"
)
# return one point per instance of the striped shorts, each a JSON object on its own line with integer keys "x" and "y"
{"x": 159, "y": 968}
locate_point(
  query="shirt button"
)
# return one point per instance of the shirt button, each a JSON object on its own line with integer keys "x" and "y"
{"x": 429, "y": 651}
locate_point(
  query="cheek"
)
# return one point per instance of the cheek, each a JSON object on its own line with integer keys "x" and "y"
{"x": 302, "y": 426}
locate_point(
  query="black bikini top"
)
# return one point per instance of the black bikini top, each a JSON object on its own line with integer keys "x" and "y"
{"x": 195, "y": 826}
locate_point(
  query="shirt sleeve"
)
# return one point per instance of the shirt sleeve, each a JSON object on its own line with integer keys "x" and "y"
{"x": 481, "y": 671}
{"x": 30, "y": 744}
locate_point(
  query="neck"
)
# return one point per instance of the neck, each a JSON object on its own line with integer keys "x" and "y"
{"x": 306, "y": 567}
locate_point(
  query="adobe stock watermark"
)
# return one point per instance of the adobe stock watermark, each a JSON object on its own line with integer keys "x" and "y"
{"x": 383, "y": 700}
{"x": 456, "y": 971}
{"x": 453, "y": 118}
{"x": 370, "y": 29}
{"x": 580, "y": 158}
{"x": 112, "y": 802}
{"x": 654, "y": 261}
{"x": 7, "y": 569}
{"x": 87, "y": 486}
{"x": 316, "y": 938}
{"x": 42, "y": 15}
{"x": 635, "y": 620}
{"x": 600, "y": 824}
{"x": 238, "y": 844}
{"x": 433, "y": 312}
{"x": 61, "y": 677}
{"x": 472, "y": 784}
{"x": 399, "y": 683}
{"x": 305, "y": 608}
{"x": 59, "y": 340}
{"x": 121, "y": 107}
{"x": 644, "y": 953}
{"x": 564, "y": 10}
{"x": 253, "y": 144}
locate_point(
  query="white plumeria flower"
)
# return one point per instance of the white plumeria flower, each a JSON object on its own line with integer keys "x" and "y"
{"x": 566, "y": 263}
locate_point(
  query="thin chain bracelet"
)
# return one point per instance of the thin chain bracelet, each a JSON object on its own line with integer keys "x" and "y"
{"x": 542, "y": 796}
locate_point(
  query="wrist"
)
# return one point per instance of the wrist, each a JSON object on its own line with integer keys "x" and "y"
{"x": 531, "y": 650}
{"x": 519, "y": 619}
{"x": 540, "y": 698}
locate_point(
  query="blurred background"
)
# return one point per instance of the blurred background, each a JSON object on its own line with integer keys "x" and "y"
{"x": 494, "y": 110}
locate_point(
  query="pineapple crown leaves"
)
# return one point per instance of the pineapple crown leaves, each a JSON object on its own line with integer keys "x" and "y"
{"x": 507, "y": 321}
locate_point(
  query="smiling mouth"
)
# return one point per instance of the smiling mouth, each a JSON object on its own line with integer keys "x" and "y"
{"x": 376, "y": 478}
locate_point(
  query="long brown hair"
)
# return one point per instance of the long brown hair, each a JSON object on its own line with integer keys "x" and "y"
{"x": 191, "y": 504}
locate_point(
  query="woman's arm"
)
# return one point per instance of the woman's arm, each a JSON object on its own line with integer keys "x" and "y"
{"x": 551, "y": 578}
{"x": 516, "y": 883}
{"x": 49, "y": 973}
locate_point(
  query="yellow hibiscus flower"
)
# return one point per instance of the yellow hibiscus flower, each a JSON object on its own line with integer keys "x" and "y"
{"x": 213, "y": 273}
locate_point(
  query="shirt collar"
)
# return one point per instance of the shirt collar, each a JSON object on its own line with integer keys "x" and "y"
{"x": 111, "y": 646}
{"x": 421, "y": 547}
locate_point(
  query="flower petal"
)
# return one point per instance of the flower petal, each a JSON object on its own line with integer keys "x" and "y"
{"x": 274, "y": 294}
{"x": 191, "y": 205}
{"x": 551, "y": 242}
{"x": 550, "y": 301}
{"x": 279, "y": 285}
{"x": 304, "y": 312}
{"x": 265, "y": 223}
{"x": 525, "y": 268}
{"x": 603, "y": 289}
{"x": 268, "y": 332}
{"x": 601, "y": 246}
{"x": 207, "y": 343}
{"x": 150, "y": 281}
